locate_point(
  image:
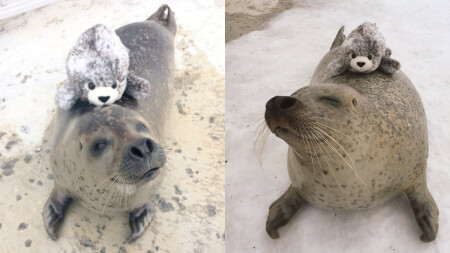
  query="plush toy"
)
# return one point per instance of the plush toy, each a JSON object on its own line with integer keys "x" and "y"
{"x": 97, "y": 71}
{"x": 364, "y": 50}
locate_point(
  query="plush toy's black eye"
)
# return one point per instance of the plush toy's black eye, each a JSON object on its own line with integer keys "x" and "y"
{"x": 353, "y": 55}
{"x": 114, "y": 85}
{"x": 91, "y": 86}
{"x": 370, "y": 57}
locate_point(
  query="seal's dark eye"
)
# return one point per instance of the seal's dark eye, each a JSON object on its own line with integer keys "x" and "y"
{"x": 331, "y": 100}
{"x": 140, "y": 127}
{"x": 370, "y": 57}
{"x": 114, "y": 85}
{"x": 98, "y": 147}
{"x": 91, "y": 86}
{"x": 353, "y": 55}
{"x": 354, "y": 102}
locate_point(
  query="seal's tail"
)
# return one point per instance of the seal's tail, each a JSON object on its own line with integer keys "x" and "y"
{"x": 166, "y": 17}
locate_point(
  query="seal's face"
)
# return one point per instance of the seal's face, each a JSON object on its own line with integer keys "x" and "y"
{"x": 117, "y": 147}
{"x": 315, "y": 114}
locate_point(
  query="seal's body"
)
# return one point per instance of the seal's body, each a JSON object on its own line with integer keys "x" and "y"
{"x": 110, "y": 158}
{"x": 353, "y": 145}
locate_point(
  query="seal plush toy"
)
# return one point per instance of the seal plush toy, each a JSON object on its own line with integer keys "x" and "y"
{"x": 97, "y": 71}
{"x": 363, "y": 51}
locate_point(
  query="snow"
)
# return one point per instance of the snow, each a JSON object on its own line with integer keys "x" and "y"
{"x": 280, "y": 59}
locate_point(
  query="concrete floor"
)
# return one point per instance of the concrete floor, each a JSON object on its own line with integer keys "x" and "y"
{"x": 281, "y": 58}
{"x": 190, "y": 208}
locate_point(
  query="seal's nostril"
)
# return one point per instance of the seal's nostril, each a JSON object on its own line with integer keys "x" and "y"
{"x": 149, "y": 145}
{"x": 103, "y": 99}
{"x": 360, "y": 63}
{"x": 136, "y": 152}
{"x": 287, "y": 102}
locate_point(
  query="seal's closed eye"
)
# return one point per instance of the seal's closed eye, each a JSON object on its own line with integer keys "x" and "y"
{"x": 331, "y": 100}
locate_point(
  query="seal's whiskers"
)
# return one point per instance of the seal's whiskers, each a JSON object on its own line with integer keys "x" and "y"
{"x": 260, "y": 143}
{"x": 331, "y": 169}
{"x": 353, "y": 168}
{"x": 315, "y": 134}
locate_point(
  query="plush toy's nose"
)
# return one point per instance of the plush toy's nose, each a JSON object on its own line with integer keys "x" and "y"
{"x": 103, "y": 99}
{"x": 360, "y": 64}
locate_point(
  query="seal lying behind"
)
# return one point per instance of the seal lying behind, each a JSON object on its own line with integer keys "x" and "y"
{"x": 110, "y": 158}
{"x": 355, "y": 141}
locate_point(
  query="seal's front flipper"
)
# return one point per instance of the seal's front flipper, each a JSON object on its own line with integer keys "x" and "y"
{"x": 165, "y": 17}
{"x": 137, "y": 87}
{"x": 53, "y": 212}
{"x": 282, "y": 210}
{"x": 139, "y": 220}
{"x": 425, "y": 211}
{"x": 389, "y": 65}
{"x": 340, "y": 37}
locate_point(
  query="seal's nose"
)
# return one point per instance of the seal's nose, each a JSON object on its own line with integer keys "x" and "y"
{"x": 360, "y": 64}
{"x": 281, "y": 103}
{"x": 103, "y": 99}
{"x": 141, "y": 149}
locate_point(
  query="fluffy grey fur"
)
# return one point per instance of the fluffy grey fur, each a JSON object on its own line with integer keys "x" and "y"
{"x": 364, "y": 50}
{"x": 97, "y": 70}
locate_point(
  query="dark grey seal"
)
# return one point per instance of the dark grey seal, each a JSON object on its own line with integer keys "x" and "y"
{"x": 110, "y": 158}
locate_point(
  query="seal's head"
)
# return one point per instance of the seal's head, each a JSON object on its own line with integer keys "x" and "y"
{"x": 97, "y": 66}
{"x": 363, "y": 49}
{"x": 306, "y": 116}
{"x": 109, "y": 151}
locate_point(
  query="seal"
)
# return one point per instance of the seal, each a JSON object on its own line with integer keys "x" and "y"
{"x": 355, "y": 141}
{"x": 111, "y": 158}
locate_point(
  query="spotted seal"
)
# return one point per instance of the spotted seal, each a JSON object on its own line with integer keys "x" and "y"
{"x": 110, "y": 158}
{"x": 355, "y": 141}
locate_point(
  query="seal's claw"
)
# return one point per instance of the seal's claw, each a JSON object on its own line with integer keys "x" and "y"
{"x": 281, "y": 211}
{"x": 139, "y": 220}
{"x": 53, "y": 212}
{"x": 425, "y": 211}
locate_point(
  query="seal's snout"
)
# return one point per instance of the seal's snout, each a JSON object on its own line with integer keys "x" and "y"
{"x": 282, "y": 103}
{"x": 141, "y": 149}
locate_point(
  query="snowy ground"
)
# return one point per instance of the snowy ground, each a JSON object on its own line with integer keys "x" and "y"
{"x": 190, "y": 213}
{"x": 281, "y": 59}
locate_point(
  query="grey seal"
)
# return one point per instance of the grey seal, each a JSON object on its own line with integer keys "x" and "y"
{"x": 355, "y": 141}
{"x": 110, "y": 158}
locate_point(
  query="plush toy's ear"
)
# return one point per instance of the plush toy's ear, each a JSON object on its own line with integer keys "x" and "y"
{"x": 340, "y": 37}
{"x": 66, "y": 96}
{"x": 389, "y": 65}
{"x": 387, "y": 52}
{"x": 137, "y": 87}
{"x": 336, "y": 68}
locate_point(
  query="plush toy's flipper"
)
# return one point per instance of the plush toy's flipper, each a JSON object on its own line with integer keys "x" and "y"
{"x": 336, "y": 68}
{"x": 137, "y": 87}
{"x": 387, "y": 52}
{"x": 389, "y": 65}
{"x": 340, "y": 37}
{"x": 66, "y": 96}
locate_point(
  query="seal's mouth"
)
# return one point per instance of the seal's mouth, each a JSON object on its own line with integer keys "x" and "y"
{"x": 149, "y": 173}
{"x": 284, "y": 132}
